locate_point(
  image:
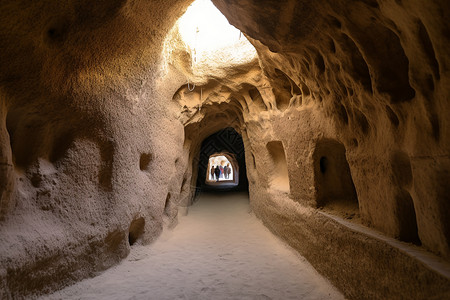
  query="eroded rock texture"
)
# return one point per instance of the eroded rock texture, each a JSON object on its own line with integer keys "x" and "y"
{"x": 376, "y": 71}
{"x": 88, "y": 143}
{"x": 344, "y": 109}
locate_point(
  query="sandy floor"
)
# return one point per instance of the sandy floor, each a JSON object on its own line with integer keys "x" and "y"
{"x": 218, "y": 251}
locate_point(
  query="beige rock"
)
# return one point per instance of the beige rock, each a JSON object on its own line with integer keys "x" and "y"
{"x": 343, "y": 113}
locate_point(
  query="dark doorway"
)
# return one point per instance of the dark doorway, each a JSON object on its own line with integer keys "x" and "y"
{"x": 225, "y": 140}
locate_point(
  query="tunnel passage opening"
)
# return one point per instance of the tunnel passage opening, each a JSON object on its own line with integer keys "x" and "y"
{"x": 229, "y": 144}
{"x": 223, "y": 169}
{"x": 333, "y": 181}
{"x": 136, "y": 230}
{"x": 278, "y": 168}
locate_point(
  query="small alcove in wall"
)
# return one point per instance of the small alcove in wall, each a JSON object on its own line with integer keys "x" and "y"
{"x": 278, "y": 174}
{"x": 405, "y": 210}
{"x": 333, "y": 181}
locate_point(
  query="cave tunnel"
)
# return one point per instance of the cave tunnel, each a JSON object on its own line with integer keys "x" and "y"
{"x": 229, "y": 142}
{"x": 332, "y": 114}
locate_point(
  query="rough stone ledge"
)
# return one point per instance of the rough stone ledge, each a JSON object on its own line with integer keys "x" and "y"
{"x": 360, "y": 263}
{"x": 430, "y": 260}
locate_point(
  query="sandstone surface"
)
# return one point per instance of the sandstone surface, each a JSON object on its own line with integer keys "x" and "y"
{"x": 342, "y": 111}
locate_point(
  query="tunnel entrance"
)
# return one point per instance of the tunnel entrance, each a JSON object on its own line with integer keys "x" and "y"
{"x": 223, "y": 169}
{"x": 219, "y": 149}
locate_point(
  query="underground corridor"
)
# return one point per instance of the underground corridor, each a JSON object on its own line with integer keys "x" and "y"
{"x": 225, "y": 149}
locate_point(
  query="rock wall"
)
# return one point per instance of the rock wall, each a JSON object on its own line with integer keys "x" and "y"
{"x": 377, "y": 71}
{"x": 89, "y": 139}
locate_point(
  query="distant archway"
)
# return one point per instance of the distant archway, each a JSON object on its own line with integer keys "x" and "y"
{"x": 229, "y": 170}
{"x": 227, "y": 142}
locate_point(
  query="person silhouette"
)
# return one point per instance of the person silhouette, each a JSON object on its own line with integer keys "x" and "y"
{"x": 221, "y": 171}
{"x": 228, "y": 172}
{"x": 217, "y": 172}
{"x": 212, "y": 172}
{"x": 225, "y": 172}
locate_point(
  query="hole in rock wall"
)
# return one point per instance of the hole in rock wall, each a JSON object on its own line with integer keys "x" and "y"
{"x": 167, "y": 205}
{"x": 323, "y": 164}
{"x": 136, "y": 230}
{"x": 334, "y": 184}
{"x": 28, "y": 141}
{"x": 227, "y": 142}
{"x": 278, "y": 171}
{"x": 404, "y": 204}
{"x": 60, "y": 146}
{"x": 406, "y": 216}
{"x": 144, "y": 161}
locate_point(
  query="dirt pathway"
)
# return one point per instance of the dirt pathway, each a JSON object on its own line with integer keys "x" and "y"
{"x": 218, "y": 251}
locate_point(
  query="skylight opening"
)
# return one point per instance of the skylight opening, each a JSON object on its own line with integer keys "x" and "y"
{"x": 204, "y": 28}
{"x": 212, "y": 43}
